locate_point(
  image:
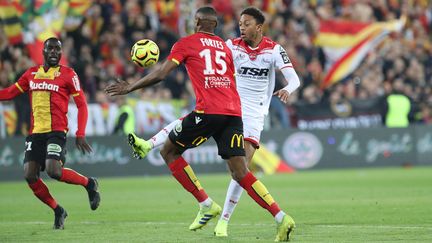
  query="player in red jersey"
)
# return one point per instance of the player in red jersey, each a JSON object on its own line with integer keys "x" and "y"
{"x": 217, "y": 114}
{"x": 49, "y": 87}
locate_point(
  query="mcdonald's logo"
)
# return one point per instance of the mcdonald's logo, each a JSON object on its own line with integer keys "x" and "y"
{"x": 239, "y": 139}
{"x": 199, "y": 140}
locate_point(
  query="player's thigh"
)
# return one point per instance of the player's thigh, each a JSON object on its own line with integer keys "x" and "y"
{"x": 194, "y": 130}
{"x": 55, "y": 149}
{"x": 252, "y": 128}
{"x": 35, "y": 147}
{"x": 229, "y": 138}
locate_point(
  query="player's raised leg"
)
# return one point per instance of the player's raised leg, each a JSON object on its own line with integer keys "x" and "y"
{"x": 142, "y": 147}
{"x": 184, "y": 174}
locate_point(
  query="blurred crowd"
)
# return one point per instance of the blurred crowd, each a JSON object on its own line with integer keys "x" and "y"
{"x": 99, "y": 49}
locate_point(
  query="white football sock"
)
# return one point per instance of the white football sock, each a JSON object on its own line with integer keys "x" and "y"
{"x": 279, "y": 216}
{"x": 159, "y": 139}
{"x": 206, "y": 203}
{"x": 234, "y": 193}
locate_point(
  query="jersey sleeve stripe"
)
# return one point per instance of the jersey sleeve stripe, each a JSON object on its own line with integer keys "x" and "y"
{"x": 19, "y": 87}
{"x": 174, "y": 60}
{"x": 75, "y": 95}
{"x": 288, "y": 66}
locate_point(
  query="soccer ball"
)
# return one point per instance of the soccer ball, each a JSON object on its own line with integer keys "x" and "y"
{"x": 145, "y": 53}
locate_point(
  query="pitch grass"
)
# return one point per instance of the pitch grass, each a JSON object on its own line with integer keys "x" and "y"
{"x": 367, "y": 205}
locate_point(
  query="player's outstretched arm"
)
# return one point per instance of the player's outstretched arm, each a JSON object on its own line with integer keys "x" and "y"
{"x": 10, "y": 92}
{"x": 122, "y": 87}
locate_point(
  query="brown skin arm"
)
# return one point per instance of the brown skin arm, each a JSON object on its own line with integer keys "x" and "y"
{"x": 122, "y": 87}
{"x": 283, "y": 95}
{"x": 82, "y": 145}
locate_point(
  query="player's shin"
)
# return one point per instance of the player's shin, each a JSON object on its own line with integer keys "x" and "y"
{"x": 72, "y": 177}
{"x": 233, "y": 195}
{"x": 186, "y": 177}
{"x": 41, "y": 191}
{"x": 259, "y": 193}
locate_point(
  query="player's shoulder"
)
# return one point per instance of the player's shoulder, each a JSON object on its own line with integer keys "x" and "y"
{"x": 185, "y": 41}
{"x": 235, "y": 41}
{"x": 268, "y": 43}
{"x": 65, "y": 70}
{"x": 33, "y": 69}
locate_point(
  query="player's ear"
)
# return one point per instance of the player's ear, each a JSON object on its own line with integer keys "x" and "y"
{"x": 259, "y": 27}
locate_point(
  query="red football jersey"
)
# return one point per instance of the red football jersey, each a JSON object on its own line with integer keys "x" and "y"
{"x": 49, "y": 93}
{"x": 210, "y": 66}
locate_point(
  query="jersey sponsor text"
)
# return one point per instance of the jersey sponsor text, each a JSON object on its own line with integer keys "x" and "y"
{"x": 43, "y": 86}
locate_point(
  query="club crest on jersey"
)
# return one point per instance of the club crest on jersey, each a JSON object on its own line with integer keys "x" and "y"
{"x": 252, "y": 56}
{"x": 57, "y": 74}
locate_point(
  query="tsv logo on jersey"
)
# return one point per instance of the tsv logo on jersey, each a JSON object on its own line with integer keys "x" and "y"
{"x": 257, "y": 72}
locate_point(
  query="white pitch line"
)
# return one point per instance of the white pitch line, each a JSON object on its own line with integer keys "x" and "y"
{"x": 233, "y": 224}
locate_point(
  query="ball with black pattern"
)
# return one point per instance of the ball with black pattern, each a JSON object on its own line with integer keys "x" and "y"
{"x": 145, "y": 53}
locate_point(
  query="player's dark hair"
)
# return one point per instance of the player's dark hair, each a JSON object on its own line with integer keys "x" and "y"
{"x": 51, "y": 39}
{"x": 207, "y": 10}
{"x": 255, "y": 13}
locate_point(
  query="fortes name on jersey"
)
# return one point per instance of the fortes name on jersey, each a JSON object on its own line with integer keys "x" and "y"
{"x": 43, "y": 86}
{"x": 212, "y": 43}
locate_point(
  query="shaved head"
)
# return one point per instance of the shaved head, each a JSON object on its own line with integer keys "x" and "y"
{"x": 205, "y": 19}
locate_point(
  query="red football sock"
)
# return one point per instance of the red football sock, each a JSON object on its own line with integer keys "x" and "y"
{"x": 72, "y": 177}
{"x": 259, "y": 193}
{"x": 41, "y": 191}
{"x": 184, "y": 174}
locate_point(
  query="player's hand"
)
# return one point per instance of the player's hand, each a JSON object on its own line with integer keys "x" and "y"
{"x": 82, "y": 145}
{"x": 120, "y": 87}
{"x": 282, "y": 95}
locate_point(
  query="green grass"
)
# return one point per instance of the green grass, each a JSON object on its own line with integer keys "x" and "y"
{"x": 373, "y": 205}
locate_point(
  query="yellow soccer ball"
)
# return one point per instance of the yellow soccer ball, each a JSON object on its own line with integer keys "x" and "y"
{"x": 145, "y": 53}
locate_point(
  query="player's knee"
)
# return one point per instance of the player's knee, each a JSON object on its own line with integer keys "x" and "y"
{"x": 238, "y": 175}
{"x": 53, "y": 171}
{"x": 31, "y": 178}
{"x": 166, "y": 155}
{"x": 169, "y": 154}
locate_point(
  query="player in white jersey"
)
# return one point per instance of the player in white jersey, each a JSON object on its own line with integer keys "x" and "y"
{"x": 256, "y": 58}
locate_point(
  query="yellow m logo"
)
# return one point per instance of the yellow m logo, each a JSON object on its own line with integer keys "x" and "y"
{"x": 239, "y": 139}
{"x": 199, "y": 140}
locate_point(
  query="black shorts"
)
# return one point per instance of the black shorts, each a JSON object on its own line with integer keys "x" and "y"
{"x": 197, "y": 128}
{"x": 42, "y": 146}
